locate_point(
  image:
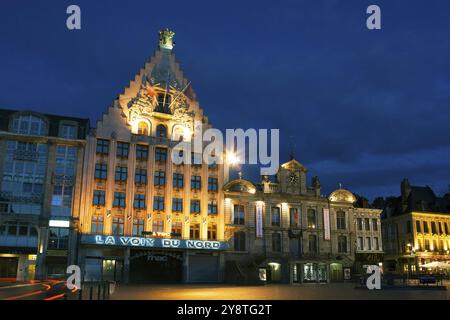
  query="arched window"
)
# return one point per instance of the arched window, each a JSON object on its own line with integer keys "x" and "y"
{"x": 311, "y": 218}
{"x": 29, "y": 124}
{"x": 143, "y": 128}
{"x": 342, "y": 244}
{"x": 161, "y": 131}
{"x": 340, "y": 220}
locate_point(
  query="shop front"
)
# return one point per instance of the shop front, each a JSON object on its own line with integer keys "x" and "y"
{"x": 151, "y": 260}
{"x": 309, "y": 272}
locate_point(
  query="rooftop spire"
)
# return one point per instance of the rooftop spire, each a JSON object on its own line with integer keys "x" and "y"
{"x": 166, "y": 39}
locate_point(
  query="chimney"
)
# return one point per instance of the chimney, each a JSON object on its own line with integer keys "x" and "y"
{"x": 405, "y": 189}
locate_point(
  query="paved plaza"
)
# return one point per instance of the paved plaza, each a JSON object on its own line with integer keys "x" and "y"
{"x": 342, "y": 291}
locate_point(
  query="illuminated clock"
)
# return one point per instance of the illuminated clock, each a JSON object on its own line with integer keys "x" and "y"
{"x": 293, "y": 178}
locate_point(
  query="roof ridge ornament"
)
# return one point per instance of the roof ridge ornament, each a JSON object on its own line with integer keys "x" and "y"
{"x": 166, "y": 39}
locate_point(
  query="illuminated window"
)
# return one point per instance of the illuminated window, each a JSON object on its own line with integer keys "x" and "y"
{"x": 158, "y": 226}
{"x": 212, "y": 232}
{"x": 311, "y": 218}
{"x": 143, "y": 128}
{"x": 194, "y": 231}
{"x": 177, "y": 230}
{"x": 58, "y": 238}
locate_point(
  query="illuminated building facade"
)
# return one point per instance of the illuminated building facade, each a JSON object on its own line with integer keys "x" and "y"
{"x": 40, "y": 170}
{"x": 286, "y": 231}
{"x": 142, "y": 217}
{"x": 416, "y": 229}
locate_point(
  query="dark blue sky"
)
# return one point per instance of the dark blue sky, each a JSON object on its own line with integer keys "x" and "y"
{"x": 365, "y": 108}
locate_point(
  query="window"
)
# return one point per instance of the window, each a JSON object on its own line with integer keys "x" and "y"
{"x": 160, "y": 178}
{"x": 138, "y": 227}
{"x": 427, "y": 245}
{"x": 99, "y": 198}
{"x": 101, "y": 171}
{"x": 194, "y": 232}
{"x": 61, "y": 200}
{"x": 143, "y": 128}
{"x": 312, "y": 243}
{"x": 276, "y": 242}
{"x": 433, "y": 227}
{"x": 340, "y": 220}
{"x": 178, "y": 180}
{"x": 440, "y": 227}
{"x": 141, "y": 152}
{"x": 158, "y": 226}
{"x": 446, "y": 228}
{"x": 360, "y": 243}
{"x": 408, "y": 226}
{"x": 377, "y": 244}
{"x": 360, "y": 224}
{"x": 158, "y": 203}
{"x": 28, "y": 124}
{"x": 121, "y": 173}
{"x": 311, "y": 218}
{"x": 58, "y": 238}
{"x": 276, "y": 217}
{"x": 213, "y": 184}
{"x": 212, "y": 232}
{"x": 177, "y": 204}
{"x": 97, "y": 224}
{"x": 102, "y": 146}
{"x": 239, "y": 214}
{"x": 367, "y": 224}
{"x": 68, "y": 131}
{"x": 139, "y": 201}
{"x": 294, "y": 217}
{"x": 195, "y": 206}
{"x": 375, "y": 224}
{"x": 160, "y": 154}
{"x": 117, "y": 228}
{"x": 195, "y": 183}
{"x": 119, "y": 200}
{"x": 369, "y": 243}
{"x": 425, "y": 227}
{"x": 163, "y": 103}
{"x": 161, "y": 131}
{"x": 177, "y": 230}
{"x": 122, "y": 149}
{"x": 212, "y": 207}
{"x": 342, "y": 244}
{"x": 140, "y": 176}
{"x": 239, "y": 241}
{"x": 418, "y": 227}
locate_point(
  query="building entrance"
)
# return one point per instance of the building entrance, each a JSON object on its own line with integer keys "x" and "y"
{"x": 156, "y": 267}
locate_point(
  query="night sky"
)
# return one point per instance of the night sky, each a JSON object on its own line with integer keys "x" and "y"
{"x": 364, "y": 108}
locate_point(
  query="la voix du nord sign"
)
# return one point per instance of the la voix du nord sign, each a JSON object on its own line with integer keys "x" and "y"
{"x": 123, "y": 241}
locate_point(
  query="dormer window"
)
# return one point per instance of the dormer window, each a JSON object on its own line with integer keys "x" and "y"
{"x": 29, "y": 124}
{"x": 68, "y": 131}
